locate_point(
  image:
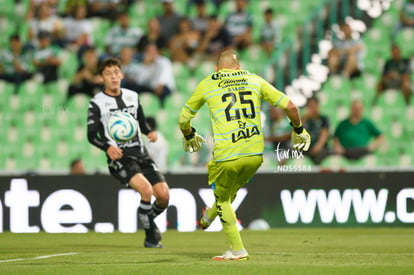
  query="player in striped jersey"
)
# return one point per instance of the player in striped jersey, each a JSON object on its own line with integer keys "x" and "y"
{"x": 234, "y": 99}
{"x": 128, "y": 162}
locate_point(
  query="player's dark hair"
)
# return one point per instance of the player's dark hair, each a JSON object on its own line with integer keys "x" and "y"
{"x": 186, "y": 19}
{"x": 89, "y": 49}
{"x": 269, "y": 10}
{"x": 343, "y": 23}
{"x": 123, "y": 13}
{"x": 395, "y": 45}
{"x": 74, "y": 162}
{"x": 312, "y": 98}
{"x": 109, "y": 62}
{"x": 14, "y": 37}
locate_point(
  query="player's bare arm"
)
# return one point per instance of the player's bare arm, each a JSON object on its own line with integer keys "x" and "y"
{"x": 152, "y": 136}
{"x": 373, "y": 146}
{"x": 300, "y": 137}
{"x": 114, "y": 152}
{"x": 293, "y": 114}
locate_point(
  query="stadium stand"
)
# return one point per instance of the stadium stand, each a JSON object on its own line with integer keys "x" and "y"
{"x": 43, "y": 132}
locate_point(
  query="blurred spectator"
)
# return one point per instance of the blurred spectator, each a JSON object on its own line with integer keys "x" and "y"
{"x": 158, "y": 150}
{"x": 240, "y": 24}
{"x": 279, "y": 131}
{"x": 46, "y": 58}
{"x": 396, "y": 75}
{"x": 215, "y": 40}
{"x": 200, "y": 21}
{"x": 169, "y": 20}
{"x": 78, "y": 29}
{"x": 35, "y": 4}
{"x": 184, "y": 43}
{"x": 15, "y": 64}
{"x": 270, "y": 33}
{"x": 318, "y": 128}
{"x": 71, "y": 5}
{"x": 346, "y": 56}
{"x": 77, "y": 167}
{"x": 86, "y": 80}
{"x": 153, "y": 36}
{"x": 130, "y": 69}
{"x": 216, "y": 3}
{"x": 122, "y": 36}
{"x": 104, "y": 8}
{"x": 407, "y": 14}
{"x": 155, "y": 73}
{"x": 46, "y": 22}
{"x": 356, "y": 136}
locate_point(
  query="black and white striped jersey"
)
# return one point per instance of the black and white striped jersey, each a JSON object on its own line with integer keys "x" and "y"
{"x": 102, "y": 106}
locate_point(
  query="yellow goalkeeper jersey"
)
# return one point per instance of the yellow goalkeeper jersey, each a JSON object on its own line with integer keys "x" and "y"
{"x": 234, "y": 100}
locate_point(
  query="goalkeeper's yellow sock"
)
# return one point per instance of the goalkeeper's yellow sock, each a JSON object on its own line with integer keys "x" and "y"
{"x": 228, "y": 220}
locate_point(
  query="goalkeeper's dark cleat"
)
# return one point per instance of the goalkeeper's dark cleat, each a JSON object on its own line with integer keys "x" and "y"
{"x": 149, "y": 244}
{"x": 204, "y": 222}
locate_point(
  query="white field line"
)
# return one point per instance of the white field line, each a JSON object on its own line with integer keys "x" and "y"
{"x": 38, "y": 257}
{"x": 336, "y": 253}
{"x": 275, "y": 253}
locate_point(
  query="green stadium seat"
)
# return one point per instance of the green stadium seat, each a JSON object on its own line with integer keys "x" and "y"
{"x": 396, "y": 129}
{"x": 334, "y": 162}
{"x": 365, "y": 91}
{"x": 6, "y": 91}
{"x": 100, "y": 27}
{"x": 13, "y": 105}
{"x": 94, "y": 159}
{"x": 374, "y": 59}
{"x": 31, "y": 94}
{"x": 150, "y": 103}
{"x": 338, "y": 86}
{"x": 69, "y": 65}
{"x": 78, "y": 103}
{"x": 405, "y": 40}
{"x": 8, "y": 8}
{"x": 406, "y": 160}
{"x": 369, "y": 161}
{"x": 409, "y": 121}
{"x": 63, "y": 124}
{"x": 27, "y": 155}
{"x": 305, "y": 161}
{"x": 377, "y": 114}
{"x": 7, "y": 26}
{"x": 393, "y": 102}
{"x": 30, "y": 123}
{"x": 45, "y": 163}
{"x": 15, "y": 133}
{"x": 58, "y": 90}
{"x": 389, "y": 149}
{"x": 63, "y": 149}
{"x": 10, "y": 163}
{"x": 60, "y": 163}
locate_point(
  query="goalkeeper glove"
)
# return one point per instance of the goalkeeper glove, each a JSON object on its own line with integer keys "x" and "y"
{"x": 300, "y": 138}
{"x": 192, "y": 142}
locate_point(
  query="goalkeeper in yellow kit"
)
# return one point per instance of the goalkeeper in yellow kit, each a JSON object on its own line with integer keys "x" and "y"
{"x": 234, "y": 99}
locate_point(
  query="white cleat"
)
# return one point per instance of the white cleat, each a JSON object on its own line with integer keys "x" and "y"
{"x": 231, "y": 255}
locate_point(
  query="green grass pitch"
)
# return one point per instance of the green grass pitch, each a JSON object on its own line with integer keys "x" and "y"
{"x": 277, "y": 251}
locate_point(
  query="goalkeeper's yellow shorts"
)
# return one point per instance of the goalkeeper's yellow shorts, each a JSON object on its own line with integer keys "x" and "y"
{"x": 226, "y": 177}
